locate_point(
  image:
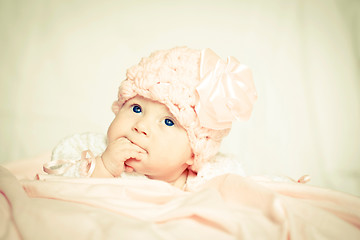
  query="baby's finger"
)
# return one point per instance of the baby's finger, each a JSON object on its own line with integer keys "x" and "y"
{"x": 135, "y": 155}
{"x": 126, "y": 144}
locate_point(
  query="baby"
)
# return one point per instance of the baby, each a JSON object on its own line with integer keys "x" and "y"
{"x": 173, "y": 110}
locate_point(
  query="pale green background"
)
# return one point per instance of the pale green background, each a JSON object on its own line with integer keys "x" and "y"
{"x": 62, "y": 61}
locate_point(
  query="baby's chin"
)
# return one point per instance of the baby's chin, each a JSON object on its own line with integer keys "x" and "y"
{"x": 133, "y": 174}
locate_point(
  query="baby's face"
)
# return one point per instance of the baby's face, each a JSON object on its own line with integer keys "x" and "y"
{"x": 152, "y": 127}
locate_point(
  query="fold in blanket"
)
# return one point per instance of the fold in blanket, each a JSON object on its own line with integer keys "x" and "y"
{"x": 226, "y": 207}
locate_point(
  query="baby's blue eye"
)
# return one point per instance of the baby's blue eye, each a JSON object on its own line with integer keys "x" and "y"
{"x": 136, "y": 109}
{"x": 169, "y": 122}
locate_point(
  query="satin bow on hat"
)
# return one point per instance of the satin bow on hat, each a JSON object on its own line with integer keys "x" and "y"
{"x": 226, "y": 91}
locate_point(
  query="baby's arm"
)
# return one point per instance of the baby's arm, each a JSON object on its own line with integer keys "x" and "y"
{"x": 111, "y": 163}
{"x": 100, "y": 170}
{"x": 68, "y": 160}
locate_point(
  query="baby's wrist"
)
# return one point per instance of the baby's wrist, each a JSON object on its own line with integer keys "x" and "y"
{"x": 100, "y": 170}
{"x": 110, "y": 165}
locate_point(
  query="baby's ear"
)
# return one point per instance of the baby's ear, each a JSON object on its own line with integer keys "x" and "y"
{"x": 115, "y": 107}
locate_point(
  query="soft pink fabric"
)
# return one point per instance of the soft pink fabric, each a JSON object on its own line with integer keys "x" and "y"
{"x": 227, "y": 207}
{"x": 226, "y": 91}
{"x": 28, "y": 167}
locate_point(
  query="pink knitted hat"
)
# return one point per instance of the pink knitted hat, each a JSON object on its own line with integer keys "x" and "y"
{"x": 202, "y": 91}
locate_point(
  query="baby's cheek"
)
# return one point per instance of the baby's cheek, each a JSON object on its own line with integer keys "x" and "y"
{"x": 168, "y": 154}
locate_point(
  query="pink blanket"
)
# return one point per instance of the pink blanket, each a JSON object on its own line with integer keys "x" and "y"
{"x": 227, "y": 207}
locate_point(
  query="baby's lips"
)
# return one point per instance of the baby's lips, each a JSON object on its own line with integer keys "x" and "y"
{"x": 128, "y": 168}
{"x": 133, "y": 159}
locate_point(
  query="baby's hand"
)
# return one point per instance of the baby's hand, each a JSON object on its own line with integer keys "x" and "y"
{"x": 117, "y": 152}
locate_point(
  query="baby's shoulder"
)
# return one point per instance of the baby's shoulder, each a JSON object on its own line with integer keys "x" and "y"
{"x": 71, "y": 147}
{"x": 220, "y": 165}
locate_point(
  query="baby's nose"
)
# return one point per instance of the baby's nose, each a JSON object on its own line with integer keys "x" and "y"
{"x": 141, "y": 128}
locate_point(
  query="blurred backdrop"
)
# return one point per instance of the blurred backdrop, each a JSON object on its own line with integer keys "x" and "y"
{"x": 61, "y": 62}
